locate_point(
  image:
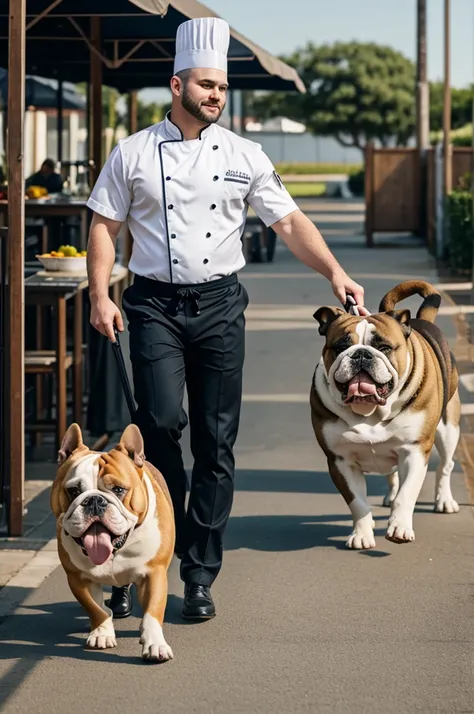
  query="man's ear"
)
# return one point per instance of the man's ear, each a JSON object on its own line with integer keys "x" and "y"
{"x": 325, "y": 316}
{"x": 72, "y": 440}
{"x": 403, "y": 317}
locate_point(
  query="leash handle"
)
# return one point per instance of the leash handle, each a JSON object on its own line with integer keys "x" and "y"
{"x": 351, "y": 305}
{"x": 123, "y": 373}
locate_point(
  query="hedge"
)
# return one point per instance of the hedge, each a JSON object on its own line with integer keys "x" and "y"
{"x": 287, "y": 169}
{"x": 461, "y": 231}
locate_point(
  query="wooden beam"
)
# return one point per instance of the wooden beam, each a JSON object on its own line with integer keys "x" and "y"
{"x": 96, "y": 101}
{"x": 132, "y": 112}
{"x": 15, "y": 443}
{"x": 447, "y": 168}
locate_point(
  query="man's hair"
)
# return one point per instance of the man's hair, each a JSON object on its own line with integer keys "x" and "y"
{"x": 184, "y": 75}
{"x": 49, "y": 163}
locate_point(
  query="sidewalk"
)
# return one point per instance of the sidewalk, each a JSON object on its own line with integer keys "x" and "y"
{"x": 303, "y": 624}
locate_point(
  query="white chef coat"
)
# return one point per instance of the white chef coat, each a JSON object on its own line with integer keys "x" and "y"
{"x": 186, "y": 202}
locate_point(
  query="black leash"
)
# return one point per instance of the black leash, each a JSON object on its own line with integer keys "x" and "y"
{"x": 123, "y": 374}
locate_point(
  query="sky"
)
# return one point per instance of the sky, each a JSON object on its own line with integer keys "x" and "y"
{"x": 281, "y": 30}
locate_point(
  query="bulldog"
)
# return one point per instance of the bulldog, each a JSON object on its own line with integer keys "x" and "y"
{"x": 384, "y": 391}
{"x": 115, "y": 525}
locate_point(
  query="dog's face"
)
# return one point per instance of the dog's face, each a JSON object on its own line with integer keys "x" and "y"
{"x": 101, "y": 496}
{"x": 366, "y": 359}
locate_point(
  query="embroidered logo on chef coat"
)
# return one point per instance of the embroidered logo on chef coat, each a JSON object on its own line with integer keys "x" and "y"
{"x": 237, "y": 177}
{"x": 278, "y": 179}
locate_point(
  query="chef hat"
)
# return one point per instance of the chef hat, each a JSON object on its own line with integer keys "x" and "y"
{"x": 202, "y": 42}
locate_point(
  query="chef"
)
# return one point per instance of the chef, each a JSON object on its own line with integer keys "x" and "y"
{"x": 184, "y": 186}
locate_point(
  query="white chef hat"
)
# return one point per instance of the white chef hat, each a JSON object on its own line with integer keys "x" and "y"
{"x": 202, "y": 42}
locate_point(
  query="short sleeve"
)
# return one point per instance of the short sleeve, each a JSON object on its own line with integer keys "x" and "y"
{"x": 268, "y": 196}
{"x": 111, "y": 195}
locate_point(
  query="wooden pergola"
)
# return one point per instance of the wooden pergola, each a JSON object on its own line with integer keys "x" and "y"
{"x": 133, "y": 36}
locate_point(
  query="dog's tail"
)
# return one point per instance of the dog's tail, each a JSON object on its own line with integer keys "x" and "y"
{"x": 431, "y": 298}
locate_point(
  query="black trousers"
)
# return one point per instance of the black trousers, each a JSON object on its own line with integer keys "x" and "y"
{"x": 191, "y": 336}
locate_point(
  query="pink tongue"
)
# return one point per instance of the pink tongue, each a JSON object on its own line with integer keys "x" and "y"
{"x": 361, "y": 386}
{"x": 98, "y": 544}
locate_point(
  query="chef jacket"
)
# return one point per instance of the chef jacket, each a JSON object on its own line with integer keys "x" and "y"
{"x": 186, "y": 201}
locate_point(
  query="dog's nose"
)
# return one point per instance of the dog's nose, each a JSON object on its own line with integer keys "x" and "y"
{"x": 362, "y": 354}
{"x": 95, "y": 505}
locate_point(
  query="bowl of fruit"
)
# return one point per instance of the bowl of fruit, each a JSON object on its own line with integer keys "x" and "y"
{"x": 67, "y": 258}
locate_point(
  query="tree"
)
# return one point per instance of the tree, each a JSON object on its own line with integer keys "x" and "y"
{"x": 355, "y": 92}
{"x": 461, "y": 106}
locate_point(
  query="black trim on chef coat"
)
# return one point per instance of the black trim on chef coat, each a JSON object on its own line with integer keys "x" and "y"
{"x": 163, "y": 183}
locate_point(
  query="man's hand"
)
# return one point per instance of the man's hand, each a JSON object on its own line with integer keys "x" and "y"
{"x": 342, "y": 285}
{"x": 104, "y": 313}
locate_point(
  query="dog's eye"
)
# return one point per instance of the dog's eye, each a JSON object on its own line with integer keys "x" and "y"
{"x": 74, "y": 492}
{"x": 386, "y": 349}
{"x": 119, "y": 491}
{"x": 339, "y": 349}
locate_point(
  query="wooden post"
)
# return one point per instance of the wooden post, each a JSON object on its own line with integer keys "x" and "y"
{"x": 369, "y": 195}
{"x": 60, "y": 120}
{"x": 132, "y": 112}
{"x": 96, "y": 101}
{"x": 15, "y": 441}
{"x": 447, "y": 169}
{"x": 422, "y": 113}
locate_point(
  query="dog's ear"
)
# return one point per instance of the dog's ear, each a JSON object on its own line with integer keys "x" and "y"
{"x": 131, "y": 442}
{"x": 72, "y": 440}
{"x": 325, "y": 316}
{"x": 403, "y": 318}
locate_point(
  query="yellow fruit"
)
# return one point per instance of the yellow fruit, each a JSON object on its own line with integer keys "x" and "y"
{"x": 53, "y": 254}
{"x": 60, "y": 255}
{"x": 84, "y": 253}
{"x": 68, "y": 250}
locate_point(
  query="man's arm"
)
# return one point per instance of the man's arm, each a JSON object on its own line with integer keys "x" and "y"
{"x": 100, "y": 261}
{"x": 307, "y": 244}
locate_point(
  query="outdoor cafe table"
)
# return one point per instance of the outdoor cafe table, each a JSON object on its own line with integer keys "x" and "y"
{"x": 47, "y": 208}
{"x": 54, "y": 289}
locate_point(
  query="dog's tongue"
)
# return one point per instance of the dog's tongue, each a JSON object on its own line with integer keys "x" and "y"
{"x": 362, "y": 385}
{"x": 98, "y": 543}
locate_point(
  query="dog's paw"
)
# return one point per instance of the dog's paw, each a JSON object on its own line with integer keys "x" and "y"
{"x": 362, "y": 537}
{"x": 154, "y": 646}
{"x": 360, "y": 541}
{"x": 103, "y": 637}
{"x": 388, "y": 500}
{"x": 399, "y": 531}
{"x": 446, "y": 505}
{"x": 156, "y": 652}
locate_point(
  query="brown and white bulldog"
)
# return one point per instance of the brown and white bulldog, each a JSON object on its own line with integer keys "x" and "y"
{"x": 115, "y": 525}
{"x": 384, "y": 391}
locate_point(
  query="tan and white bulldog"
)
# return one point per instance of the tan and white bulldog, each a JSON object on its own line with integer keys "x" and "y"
{"x": 115, "y": 525}
{"x": 384, "y": 391}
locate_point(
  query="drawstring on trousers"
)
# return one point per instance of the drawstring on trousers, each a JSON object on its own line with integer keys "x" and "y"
{"x": 188, "y": 294}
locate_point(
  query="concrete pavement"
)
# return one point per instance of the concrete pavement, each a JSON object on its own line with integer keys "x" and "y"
{"x": 303, "y": 625}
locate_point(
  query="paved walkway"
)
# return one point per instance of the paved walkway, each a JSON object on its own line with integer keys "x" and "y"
{"x": 303, "y": 624}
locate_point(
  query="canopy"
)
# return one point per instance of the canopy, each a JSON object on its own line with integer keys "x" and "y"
{"x": 137, "y": 38}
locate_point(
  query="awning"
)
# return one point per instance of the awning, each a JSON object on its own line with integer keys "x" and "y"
{"x": 137, "y": 44}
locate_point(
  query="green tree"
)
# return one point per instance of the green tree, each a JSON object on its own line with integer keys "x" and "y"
{"x": 461, "y": 106}
{"x": 356, "y": 93}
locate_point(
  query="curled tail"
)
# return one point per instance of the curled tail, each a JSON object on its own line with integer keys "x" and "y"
{"x": 431, "y": 298}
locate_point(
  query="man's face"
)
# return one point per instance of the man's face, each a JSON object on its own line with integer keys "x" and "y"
{"x": 204, "y": 94}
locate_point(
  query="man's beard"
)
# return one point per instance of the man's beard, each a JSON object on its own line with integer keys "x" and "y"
{"x": 198, "y": 112}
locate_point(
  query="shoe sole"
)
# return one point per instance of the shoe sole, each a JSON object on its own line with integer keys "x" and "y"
{"x": 198, "y": 617}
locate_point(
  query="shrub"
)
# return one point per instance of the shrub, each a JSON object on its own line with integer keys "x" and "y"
{"x": 288, "y": 169}
{"x": 461, "y": 233}
{"x": 356, "y": 182}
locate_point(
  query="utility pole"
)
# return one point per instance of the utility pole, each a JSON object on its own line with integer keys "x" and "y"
{"x": 447, "y": 172}
{"x": 422, "y": 111}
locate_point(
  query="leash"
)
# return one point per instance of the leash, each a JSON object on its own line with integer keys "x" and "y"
{"x": 117, "y": 349}
{"x": 351, "y": 305}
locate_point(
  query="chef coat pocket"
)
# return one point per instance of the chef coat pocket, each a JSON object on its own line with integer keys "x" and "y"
{"x": 235, "y": 190}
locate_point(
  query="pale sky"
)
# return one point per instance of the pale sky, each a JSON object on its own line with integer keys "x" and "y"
{"x": 282, "y": 27}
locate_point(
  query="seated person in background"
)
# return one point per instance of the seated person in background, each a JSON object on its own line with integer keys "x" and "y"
{"x": 46, "y": 177}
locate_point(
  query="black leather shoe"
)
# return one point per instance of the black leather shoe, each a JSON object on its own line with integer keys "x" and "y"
{"x": 121, "y": 602}
{"x": 198, "y": 603}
